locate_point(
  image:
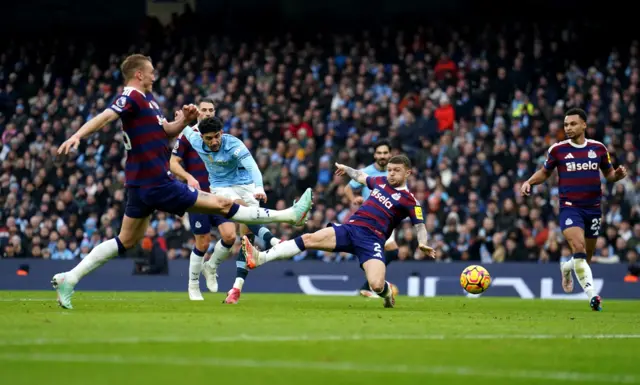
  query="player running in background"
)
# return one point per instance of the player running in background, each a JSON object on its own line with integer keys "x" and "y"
{"x": 233, "y": 174}
{"x": 381, "y": 155}
{"x": 149, "y": 183}
{"x": 186, "y": 164}
{"x": 579, "y": 161}
{"x": 389, "y": 203}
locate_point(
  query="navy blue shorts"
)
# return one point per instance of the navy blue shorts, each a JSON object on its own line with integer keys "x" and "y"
{"x": 359, "y": 241}
{"x": 588, "y": 219}
{"x": 202, "y": 223}
{"x": 173, "y": 197}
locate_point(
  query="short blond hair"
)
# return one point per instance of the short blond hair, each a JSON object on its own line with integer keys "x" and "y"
{"x": 132, "y": 64}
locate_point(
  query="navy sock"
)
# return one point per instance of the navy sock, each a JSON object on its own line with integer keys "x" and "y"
{"x": 233, "y": 210}
{"x": 300, "y": 243}
{"x": 365, "y": 286}
{"x": 580, "y": 256}
{"x": 385, "y": 290}
{"x": 390, "y": 256}
{"x": 241, "y": 266}
{"x": 263, "y": 233}
{"x": 121, "y": 248}
{"x": 198, "y": 252}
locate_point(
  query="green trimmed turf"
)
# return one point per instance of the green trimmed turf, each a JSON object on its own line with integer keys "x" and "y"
{"x": 162, "y": 338}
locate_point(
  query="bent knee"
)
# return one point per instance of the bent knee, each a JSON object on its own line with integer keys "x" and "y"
{"x": 202, "y": 242}
{"x": 228, "y": 233}
{"x": 376, "y": 285}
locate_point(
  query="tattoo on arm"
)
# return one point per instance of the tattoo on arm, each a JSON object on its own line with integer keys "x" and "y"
{"x": 353, "y": 174}
{"x": 421, "y": 231}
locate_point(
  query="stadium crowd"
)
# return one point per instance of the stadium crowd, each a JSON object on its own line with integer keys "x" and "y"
{"x": 475, "y": 111}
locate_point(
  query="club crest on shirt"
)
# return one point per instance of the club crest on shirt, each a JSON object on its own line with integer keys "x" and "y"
{"x": 592, "y": 154}
{"x": 121, "y": 102}
{"x": 396, "y": 196}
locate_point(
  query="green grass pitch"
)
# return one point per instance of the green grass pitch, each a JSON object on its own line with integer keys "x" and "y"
{"x": 163, "y": 338}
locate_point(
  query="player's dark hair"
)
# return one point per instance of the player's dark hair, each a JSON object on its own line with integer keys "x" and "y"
{"x": 401, "y": 159}
{"x": 381, "y": 143}
{"x": 212, "y": 124}
{"x": 577, "y": 111}
{"x": 132, "y": 64}
{"x": 210, "y": 101}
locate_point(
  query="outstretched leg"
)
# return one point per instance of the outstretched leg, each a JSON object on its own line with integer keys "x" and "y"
{"x": 324, "y": 239}
{"x": 212, "y": 204}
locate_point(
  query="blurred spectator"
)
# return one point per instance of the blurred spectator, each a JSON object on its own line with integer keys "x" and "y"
{"x": 475, "y": 121}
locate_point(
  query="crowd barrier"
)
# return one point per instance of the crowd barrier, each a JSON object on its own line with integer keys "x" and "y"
{"x": 415, "y": 279}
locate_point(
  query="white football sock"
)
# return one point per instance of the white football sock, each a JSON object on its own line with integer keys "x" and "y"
{"x": 284, "y": 250}
{"x": 585, "y": 277}
{"x": 220, "y": 253}
{"x": 239, "y": 282}
{"x": 96, "y": 258}
{"x": 568, "y": 266}
{"x": 195, "y": 268}
{"x": 259, "y": 215}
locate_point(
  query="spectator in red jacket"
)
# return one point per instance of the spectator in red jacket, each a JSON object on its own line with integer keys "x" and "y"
{"x": 297, "y": 124}
{"x": 445, "y": 114}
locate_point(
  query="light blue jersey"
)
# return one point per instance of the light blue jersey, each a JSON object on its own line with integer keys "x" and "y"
{"x": 370, "y": 170}
{"x": 231, "y": 165}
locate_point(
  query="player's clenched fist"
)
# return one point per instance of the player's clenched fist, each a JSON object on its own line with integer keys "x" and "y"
{"x": 190, "y": 112}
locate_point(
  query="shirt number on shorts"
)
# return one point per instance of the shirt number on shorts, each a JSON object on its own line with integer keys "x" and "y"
{"x": 378, "y": 249}
{"x": 595, "y": 225}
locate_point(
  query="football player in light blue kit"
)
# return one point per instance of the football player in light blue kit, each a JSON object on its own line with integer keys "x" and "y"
{"x": 233, "y": 174}
{"x": 381, "y": 156}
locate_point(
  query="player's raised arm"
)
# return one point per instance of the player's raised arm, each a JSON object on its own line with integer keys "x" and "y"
{"x": 357, "y": 175}
{"x": 105, "y": 117}
{"x": 189, "y": 114}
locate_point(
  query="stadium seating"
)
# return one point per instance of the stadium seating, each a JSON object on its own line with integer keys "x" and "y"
{"x": 476, "y": 122}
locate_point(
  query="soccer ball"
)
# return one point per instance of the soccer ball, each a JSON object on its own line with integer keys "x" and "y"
{"x": 475, "y": 279}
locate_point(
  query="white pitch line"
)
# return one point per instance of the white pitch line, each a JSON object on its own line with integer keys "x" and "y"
{"x": 307, "y": 338}
{"x": 322, "y": 366}
{"x": 85, "y": 298}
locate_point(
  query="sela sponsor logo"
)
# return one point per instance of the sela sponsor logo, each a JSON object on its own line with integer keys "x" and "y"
{"x": 433, "y": 286}
{"x": 386, "y": 202}
{"x": 583, "y": 166}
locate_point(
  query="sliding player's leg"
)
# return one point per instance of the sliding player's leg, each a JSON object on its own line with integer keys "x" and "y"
{"x": 375, "y": 270}
{"x": 368, "y": 247}
{"x": 221, "y": 250}
{"x": 131, "y": 233}
{"x": 390, "y": 253}
{"x": 324, "y": 240}
{"x": 212, "y": 204}
{"x": 201, "y": 228}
